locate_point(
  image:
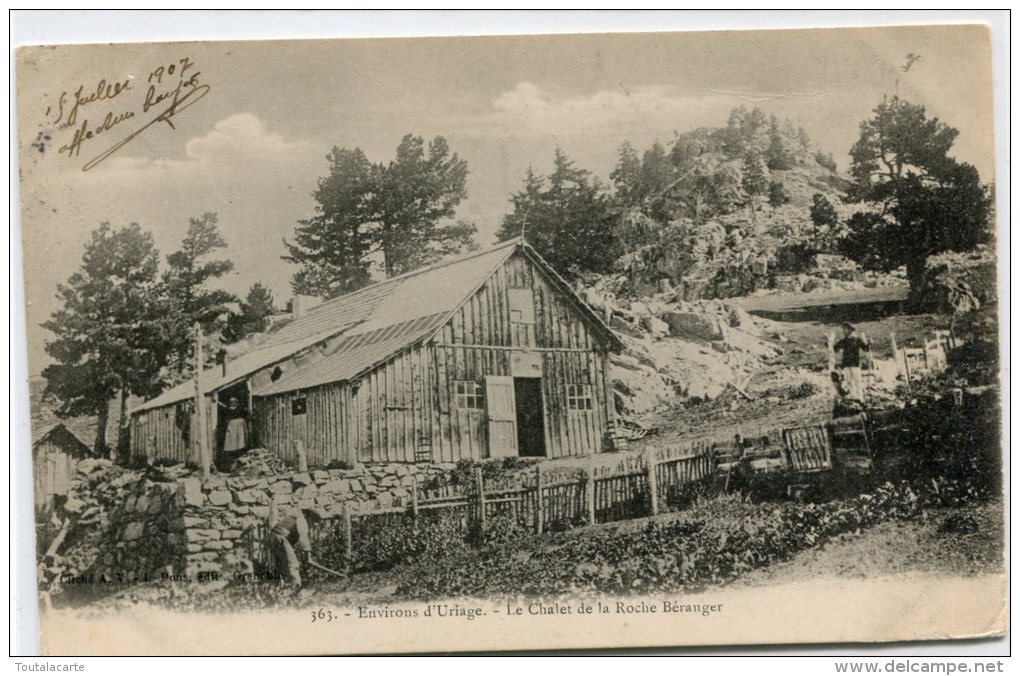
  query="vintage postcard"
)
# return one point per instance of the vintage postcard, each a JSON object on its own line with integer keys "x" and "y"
{"x": 513, "y": 343}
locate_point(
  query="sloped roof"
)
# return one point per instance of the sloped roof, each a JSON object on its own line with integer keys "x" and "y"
{"x": 59, "y": 434}
{"x": 344, "y": 337}
{"x": 353, "y": 355}
{"x": 422, "y": 293}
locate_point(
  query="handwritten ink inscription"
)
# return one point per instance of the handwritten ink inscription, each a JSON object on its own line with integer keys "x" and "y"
{"x": 93, "y": 112}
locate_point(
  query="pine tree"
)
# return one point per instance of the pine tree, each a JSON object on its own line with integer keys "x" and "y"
{"x": 777, "y": 194}
{"x": 394, "y": 211}
{"x": 189, "y": 271}
{"x": 917, "y": 199}
{"x": 823, "y": 214}
{"x": 332, "y": 247}
{"x": 626, "y": 177}
{"x": 252, "y": 316}
{"x": 780, "y": 152}
{"x": 567, "y": 217}
{"x": 754, "y": 177}
{"x": 110, "y": 333}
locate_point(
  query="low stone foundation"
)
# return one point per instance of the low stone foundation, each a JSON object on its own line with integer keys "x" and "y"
{"x": 208, "y": 528}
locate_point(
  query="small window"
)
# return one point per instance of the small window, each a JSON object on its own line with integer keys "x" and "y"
{"x": 522, "y": 306}
{"x": 470, "y": 394}
{"x": 579, "y": 397}
{"x": 299, "y": 405}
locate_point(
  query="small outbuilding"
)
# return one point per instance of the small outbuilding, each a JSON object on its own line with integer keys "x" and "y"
{"x": 487, "y": 355}
{"x": 55, "y": 456}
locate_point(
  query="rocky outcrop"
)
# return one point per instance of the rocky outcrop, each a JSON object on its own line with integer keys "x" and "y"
{"x": 957, "y": 283}
{"x": 679, "y": 351}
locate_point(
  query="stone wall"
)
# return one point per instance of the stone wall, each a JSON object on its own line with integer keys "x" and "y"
{"x": 210, "y": 524}
{"x": 141, "y": 541}
{"x": 130, "y": 525}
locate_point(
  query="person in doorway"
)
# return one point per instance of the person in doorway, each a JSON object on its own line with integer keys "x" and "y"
{"x": 855, "y": 348}
{"x": 290, "y": 545}
{"x": 235, "y": 437}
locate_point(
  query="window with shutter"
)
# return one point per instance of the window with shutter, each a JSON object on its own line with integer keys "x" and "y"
{"x": 522, "y": 306}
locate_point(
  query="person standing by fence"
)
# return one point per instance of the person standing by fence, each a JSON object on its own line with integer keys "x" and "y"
{"x": 289, "y": 543}
{"x": 855, "y": 348}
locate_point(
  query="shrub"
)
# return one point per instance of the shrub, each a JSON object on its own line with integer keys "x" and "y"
{"x": 684, "y": 554}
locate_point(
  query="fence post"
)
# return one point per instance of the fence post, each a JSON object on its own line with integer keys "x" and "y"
{"x": 590, "y": 490}
{"x": 539, "y": 513}
{"x": 414, "y": 497}
{"x": 348, "y": 545}
{"x": 653, "y": 485}
{"x": 481, "y": 498}
{"x": 302, "y": 456}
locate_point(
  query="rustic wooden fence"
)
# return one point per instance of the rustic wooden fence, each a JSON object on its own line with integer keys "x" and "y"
{"x": 599, "y": 489}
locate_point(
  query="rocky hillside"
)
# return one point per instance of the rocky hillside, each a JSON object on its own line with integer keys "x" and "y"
{"x": 751, "y": 249}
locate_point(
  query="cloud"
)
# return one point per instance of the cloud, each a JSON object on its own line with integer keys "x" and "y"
{"x": 235, "y": 142}
{"x": 243, "y": 137}
{"x": 529, "y": 110}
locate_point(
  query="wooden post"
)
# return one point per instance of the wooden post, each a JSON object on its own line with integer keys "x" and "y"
{"x": 414, "y": 497}
{"x": 348, "y": 533}
{"x": 895, "y": 352}
{"x": 302, "y": 457}
{"x": 590, "y": 490}
{"x": 653, "y": 483}
{"x": 607, "y": 381}
{"x": 481, "y": 498}
{"x": 274, "y": 514}
{"x": 539, "y": 510}
{"x": 830, "y": 345}
{"x": 199, "y": 435}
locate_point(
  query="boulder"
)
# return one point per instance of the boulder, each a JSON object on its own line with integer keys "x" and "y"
{"x": 190, "y": 491}
{"x": 338, "y": 486}
{"x": 250, "y": 497}
{"x": 133, "y": 531}
{"x": 655, "y": 326}
{"x": 694, "y": 325}
{"x": 73, "y": 505}
{"x": 958, "y": 283}
{"x": 282, "y": 488}
{"x": 219, "y": 544}
{"x": 739, "y": 318}
{"x": 90, "y": 465}
{"x": 219, "y": 498}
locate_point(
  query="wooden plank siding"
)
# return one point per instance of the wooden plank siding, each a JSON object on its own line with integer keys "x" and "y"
{"x": 478, "y": 341}
{"x": 53, "y": 465}
{"x": 405, "y": 409}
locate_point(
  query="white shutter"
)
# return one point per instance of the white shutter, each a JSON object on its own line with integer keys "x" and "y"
{"x": 502, "y": 414}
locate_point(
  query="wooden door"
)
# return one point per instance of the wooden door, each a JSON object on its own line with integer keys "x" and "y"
{"x": 502, "y": 414}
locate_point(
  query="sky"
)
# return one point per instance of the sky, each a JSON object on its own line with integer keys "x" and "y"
{"x": 252, "y": 148}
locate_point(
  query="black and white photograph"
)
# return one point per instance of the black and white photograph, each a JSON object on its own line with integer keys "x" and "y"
{"x": 513, "y": 342}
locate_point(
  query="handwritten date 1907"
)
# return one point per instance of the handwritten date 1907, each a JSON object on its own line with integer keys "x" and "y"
{"x": 175, "y": 93}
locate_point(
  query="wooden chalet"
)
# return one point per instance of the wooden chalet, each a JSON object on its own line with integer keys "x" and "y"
{"x": 55, "y": 456}
{"x": 488, "y": 355}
